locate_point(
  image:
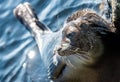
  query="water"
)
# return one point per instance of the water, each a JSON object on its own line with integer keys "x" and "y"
{"x": 19, "y": 55}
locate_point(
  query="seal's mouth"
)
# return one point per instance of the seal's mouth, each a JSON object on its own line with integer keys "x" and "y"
{"x": 85, "y": 57}
{"x": 68, "y": 50}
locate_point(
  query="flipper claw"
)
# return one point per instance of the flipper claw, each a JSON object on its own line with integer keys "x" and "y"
{"x": 56, "y": 67}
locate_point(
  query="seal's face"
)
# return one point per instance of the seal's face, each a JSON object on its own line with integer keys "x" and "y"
{"x": 77, "y": 38}
{"x": 83, "y": 36}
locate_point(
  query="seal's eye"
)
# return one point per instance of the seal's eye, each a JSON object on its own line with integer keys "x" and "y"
{"x": 70, "y": 35}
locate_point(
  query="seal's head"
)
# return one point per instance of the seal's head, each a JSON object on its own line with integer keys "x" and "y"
{"x": 82, "y": 34}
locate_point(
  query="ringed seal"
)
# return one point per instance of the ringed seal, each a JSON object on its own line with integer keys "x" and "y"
{"x": 81, "y": 47}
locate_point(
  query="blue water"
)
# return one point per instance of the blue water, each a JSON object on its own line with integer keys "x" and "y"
{"x": 19, "y": 55}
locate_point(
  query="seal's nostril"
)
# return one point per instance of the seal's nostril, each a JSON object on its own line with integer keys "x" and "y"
{"x": 59, "y": 49}
{"x": 66, "y": 40}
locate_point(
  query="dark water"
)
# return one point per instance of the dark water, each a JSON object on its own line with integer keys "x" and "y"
{"x": 19, "y": 56}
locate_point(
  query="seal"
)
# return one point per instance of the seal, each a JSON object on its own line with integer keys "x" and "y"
{"x": 81, "y": 46}
{"x": 84, "y": 53}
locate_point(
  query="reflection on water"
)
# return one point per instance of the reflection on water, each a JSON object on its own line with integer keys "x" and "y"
{"x": 19, "y": 56}
{"x": 31, "y": 54}
{"x": 35, "y": 67}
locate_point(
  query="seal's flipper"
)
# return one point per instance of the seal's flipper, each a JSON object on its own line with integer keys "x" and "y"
{"x": 56, "y": 67}
{"x": 26, "y": 15}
